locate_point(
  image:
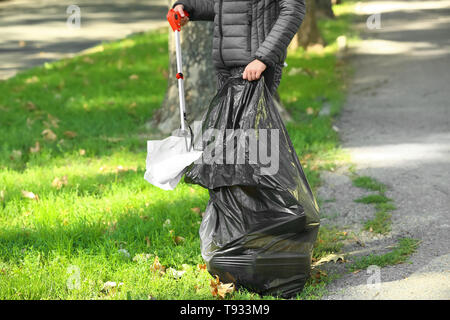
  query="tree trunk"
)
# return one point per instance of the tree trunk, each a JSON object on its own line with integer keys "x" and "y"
{"x": 324, "y": 8}
{"x": 308, "y": 33}
{"x": 200, "y": 77}
{"x": 199, "y": 74}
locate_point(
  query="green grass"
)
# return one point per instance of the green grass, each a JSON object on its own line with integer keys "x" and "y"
{"x": 373, "y": 198}
{"x": 404, "y": 248}
{"x": 368, "y": 183}
{"x": 102, "y": 223}
{"x": 381, "y": 223}
{"x": 329, "y": 240}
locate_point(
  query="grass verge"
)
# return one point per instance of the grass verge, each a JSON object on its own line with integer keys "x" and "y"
{"x": 381, "y": 223}
{"x": 75, "y": 211}
{"x": 404, "y": 248}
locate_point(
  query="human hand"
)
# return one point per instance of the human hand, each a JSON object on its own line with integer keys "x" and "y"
{"x": 254, "y": 70}
{"x": 180, "y": 10}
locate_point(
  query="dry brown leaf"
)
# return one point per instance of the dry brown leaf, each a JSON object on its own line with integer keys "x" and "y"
{"x": 157, "y": 267}
{"x": 225, "y": 288}
{"x": 82, "y": 152}
{"x": 36, "y": 148}
{"x": 179, "y": 240}
{"x": 147, "y": 240}
{"x": 30, "y": 106}
{"x": 317, "y": 275}
{"x": 219, "y": 289}
{"x": 196, "y": 210}
{"x": 59, "y": 183}
{"x": 49, "y": 135}
{"x": 201, "y": 267}
{"x": 70, "y": 134}
{"x": 309, "y": 110}
{"x": 134, "y": 77}
{"x": 30, "y": 195}
{"x": 88, "y": 60}
{"x": 53, "y": 120}
{"x": 331, "y": 258}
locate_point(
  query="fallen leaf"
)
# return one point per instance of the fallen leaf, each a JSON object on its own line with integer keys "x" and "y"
{"x": 36, "y": 148}
{"x": 219, "y": 289}
{"x": 358, "y": 241}
{"x": 59, "y": 183}
{"x": 49, "y": 135}
{"x": 33, "y": 79}
{"x": 331, "y": 258}
{"x": 179, "y": 240}
{"x": 201, "y": 267}
{"x": 53, "y": 120}
{"x": 223, "y": 289}
{"x": 196, "y": 210}
{"x": 147, "y": 240}
{"x": 157, "y": 266}
{"x": 134, "y": 77}
{"x": 82, "y": 152}
{"x": 30, "y": 106}
{"x": 70, "y": 134}
{"x": 88, "y": 60}
{"x": 309, "y": 110}
{"x": 317, "y": 275}
{"x": 30, "y": 195}
{"x": 15, "y": 155}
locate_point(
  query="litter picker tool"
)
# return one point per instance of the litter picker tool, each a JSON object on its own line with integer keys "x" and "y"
{"x": 168, "y": 159}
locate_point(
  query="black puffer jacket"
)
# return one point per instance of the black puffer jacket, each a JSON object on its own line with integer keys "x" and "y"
{"x": 245, "y": 30}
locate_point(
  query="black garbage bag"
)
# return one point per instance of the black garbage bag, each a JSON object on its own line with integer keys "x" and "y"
{"x": 262, "y": 219}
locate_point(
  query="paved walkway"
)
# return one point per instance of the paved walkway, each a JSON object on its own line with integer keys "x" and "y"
{"x": 396, "y": 126}
{"x": 34, "y": 31}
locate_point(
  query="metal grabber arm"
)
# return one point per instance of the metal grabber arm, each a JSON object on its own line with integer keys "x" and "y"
{"x": 175, "y": 22}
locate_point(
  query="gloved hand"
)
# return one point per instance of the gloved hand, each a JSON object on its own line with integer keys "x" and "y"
{"x": 180, "y": 10}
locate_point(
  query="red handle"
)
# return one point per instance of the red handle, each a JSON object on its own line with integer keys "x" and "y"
{"x": 175, "y": 19}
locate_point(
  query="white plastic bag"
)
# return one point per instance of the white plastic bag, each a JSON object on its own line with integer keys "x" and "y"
{"x": 167, "y": 160}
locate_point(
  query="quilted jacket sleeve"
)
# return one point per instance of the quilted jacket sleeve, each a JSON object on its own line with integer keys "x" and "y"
{"x": 285, "y": 27}
{"x": 198, "y": 9}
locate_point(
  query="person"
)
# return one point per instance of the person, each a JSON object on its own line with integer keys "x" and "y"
{"x": 250, "y": 37}
{"x": 259, "y": 227}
